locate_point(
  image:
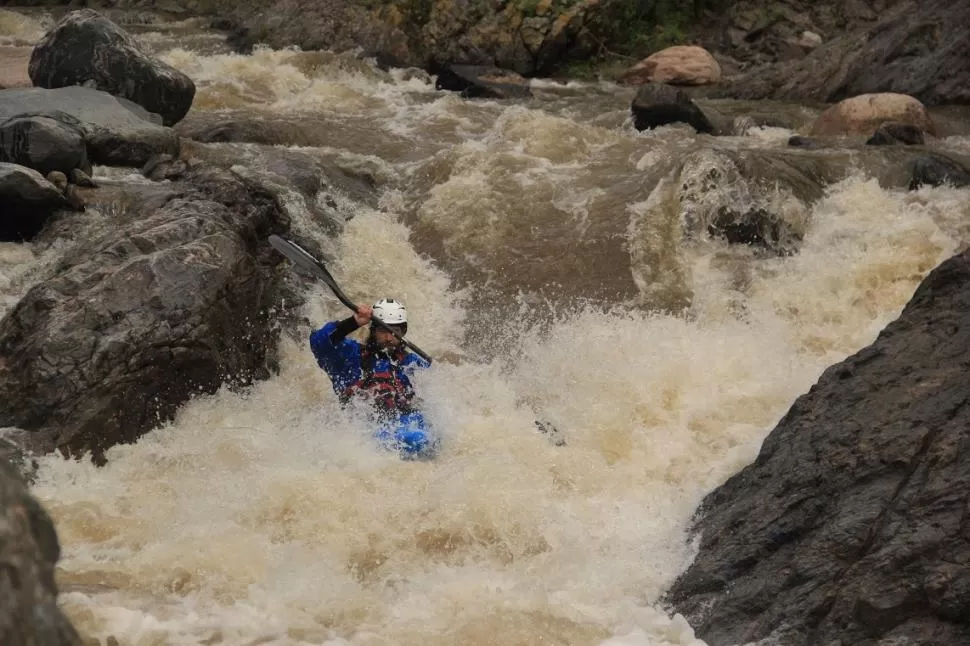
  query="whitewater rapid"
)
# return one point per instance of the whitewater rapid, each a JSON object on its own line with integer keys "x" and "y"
{"x": 268, "y": 517}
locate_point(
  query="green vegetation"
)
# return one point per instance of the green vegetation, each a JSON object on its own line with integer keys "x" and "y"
{"x": 530, "y": 8}
{"x": 638, "y": 27}
{"x": 419, "y": 10}
{"x": 631, "y": 30}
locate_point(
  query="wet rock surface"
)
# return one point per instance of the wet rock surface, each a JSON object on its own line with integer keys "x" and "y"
{"x": 29, "y": 549}
{"x": 173, "y": 302}
{"x": 851, "y": 526}
{"x": 28, "y": 201}
{"x": 86, "y": 48}
{"x": 116, "y": 132}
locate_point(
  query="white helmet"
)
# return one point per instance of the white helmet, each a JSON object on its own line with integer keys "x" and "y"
{"x": 391, "y": 312}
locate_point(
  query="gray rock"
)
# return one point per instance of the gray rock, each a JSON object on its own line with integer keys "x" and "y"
{"x": 798, "y": 141}
{"x": 851, "y": 525}
{"x": 28, "y": 201}
{"x": 934, "y": 169}
{"x": 81, "y": 178}
{"x": 162, "y": 167}
{"x": 29, "y": 551}
{"x": 15, "y": 451}
{"x": 44, "y": 144}
{"x": 482, "y": 82}
{"x": 658, "y": 104}
{"x": 894, "y": 132}
{"x": 168, "y": 303}
{"x": 117, "y": 132}
{"x": 85, "y": 48}
{"x": 58, "y": 179}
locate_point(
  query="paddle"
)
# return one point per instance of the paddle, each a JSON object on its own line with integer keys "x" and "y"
{"x": 302, "y": 258}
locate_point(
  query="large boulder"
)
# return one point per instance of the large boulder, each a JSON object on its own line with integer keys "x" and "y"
{"x": 116, "y": 131}
{"x": 28, "y": 200}
{"x": 861, "y": 115}
{"x": 170, "y": 302}
{"x": 44, "y": 144}
{"x": 678, "y": 65}
{"x": 85, "y": 48}
{"x": 851, "y": 526}
{"x": 29, "y": 551}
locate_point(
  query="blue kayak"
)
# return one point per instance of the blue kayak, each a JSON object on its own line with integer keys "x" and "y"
{"x": 409, "y": 436}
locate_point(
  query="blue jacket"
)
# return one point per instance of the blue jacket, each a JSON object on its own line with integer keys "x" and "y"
{"x": 342, "y": 360}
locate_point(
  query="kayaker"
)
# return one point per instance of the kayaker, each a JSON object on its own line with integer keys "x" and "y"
{"x": 377, "y": 373}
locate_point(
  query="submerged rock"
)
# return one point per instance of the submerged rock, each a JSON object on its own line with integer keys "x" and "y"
{"x": 761, "y": 199}
{"x": 482, "y": 82}
{"x": 851, "y": 525}
{"x": 894, "y": 132}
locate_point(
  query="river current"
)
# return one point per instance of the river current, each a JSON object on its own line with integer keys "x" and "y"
{"x": 542, "y": 249}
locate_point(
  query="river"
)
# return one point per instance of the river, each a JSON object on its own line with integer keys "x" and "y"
{"x": 537, "y": 250}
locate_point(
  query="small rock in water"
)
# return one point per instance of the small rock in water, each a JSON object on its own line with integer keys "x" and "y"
{"x": 860, "y": 115}
{"x": 677, "y": 65}
{"x": 482, "y": 81}
{"x": 81, "y": 178}
{"x": 802, "y": 142}
{"x": 547, "y": 428}
{"x": 58, "y": 179}
{"x": 74, "y": 199}
{"x": 162, "y": 167}
{"x": 893, "y": 132}
{"x": 937, "y": 170}
{"x": 657, "y": 104}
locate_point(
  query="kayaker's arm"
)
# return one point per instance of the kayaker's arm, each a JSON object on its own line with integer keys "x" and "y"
{"x": 336, "y": 354}
{"x": 342, "y": 329}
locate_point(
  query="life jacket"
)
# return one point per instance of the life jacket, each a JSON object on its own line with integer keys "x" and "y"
{"x": 388, "y": 390}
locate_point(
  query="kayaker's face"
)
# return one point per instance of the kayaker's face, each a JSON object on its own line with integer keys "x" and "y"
{"x": 385, "y": 339}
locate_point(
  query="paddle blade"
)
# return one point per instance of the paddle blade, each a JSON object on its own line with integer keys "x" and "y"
{"x": 302, "y": 258}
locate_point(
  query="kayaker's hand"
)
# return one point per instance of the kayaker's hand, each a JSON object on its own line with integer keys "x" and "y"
{"x": 363, "y": 315}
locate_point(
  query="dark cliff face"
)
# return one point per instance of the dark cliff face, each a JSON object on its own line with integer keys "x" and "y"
{"x": 852, "y": 525}
{"x": 917, "y": 48}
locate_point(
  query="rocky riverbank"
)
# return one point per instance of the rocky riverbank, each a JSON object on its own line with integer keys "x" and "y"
{"x": 851, "y": 526}
{"x": 847, "y": 527}
{"x": 783, "y": 49}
